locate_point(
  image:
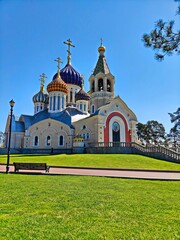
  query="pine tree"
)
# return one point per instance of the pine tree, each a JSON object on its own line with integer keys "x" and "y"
{"x": 174, "y": 134}
{"x": 163, "y": 39}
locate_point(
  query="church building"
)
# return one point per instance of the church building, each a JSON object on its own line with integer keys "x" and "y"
{"x": 68, "y": 117}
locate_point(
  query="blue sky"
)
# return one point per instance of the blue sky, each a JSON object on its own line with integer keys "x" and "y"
{"x": 32, "y": 35}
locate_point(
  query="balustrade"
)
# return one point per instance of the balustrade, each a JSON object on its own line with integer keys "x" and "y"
{"x": 147, "y": 150}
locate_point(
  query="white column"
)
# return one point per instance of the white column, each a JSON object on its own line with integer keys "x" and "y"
{"x": 61, "y": 103}
{"x": 73, "y": 97}
{"x": 56, "y": 107}
{"x": 96, "y": 85}
{"x": 105, "y": 84}
{"x": 52, "y": 103}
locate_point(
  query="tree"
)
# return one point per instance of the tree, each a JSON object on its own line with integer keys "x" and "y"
{"x": 151, "y": 132}
{"x": 156, "y": 131}
{"x": 163, "y": 39}
{"x": 141, "y": 132}
{"x": 174, "y": 134}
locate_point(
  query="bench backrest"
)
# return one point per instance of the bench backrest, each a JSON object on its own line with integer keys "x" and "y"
{"x": 31, "y": 166}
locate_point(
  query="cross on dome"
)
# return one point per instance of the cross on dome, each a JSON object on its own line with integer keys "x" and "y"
{"x": 101, "y": 49}
{"x": 69, "y": 43}
{"x": 58, "y": 60}
{"x": 42, "y": 80}
{"x": 82, "y": 85}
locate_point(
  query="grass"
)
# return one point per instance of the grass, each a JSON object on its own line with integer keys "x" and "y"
{"x": 87, "y": 208}
{"x": 96, "y": 160}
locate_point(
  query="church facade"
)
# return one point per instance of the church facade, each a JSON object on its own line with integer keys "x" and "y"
{"x": 66, "y": 116}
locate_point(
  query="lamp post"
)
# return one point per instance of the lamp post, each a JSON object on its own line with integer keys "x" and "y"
{"x": 11, "y": 103}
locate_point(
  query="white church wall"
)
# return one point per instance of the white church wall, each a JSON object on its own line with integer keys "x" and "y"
{"x": 48, "y": 133}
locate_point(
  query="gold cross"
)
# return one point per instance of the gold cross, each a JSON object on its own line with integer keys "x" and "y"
{"x": 82, "y": 76}
{"x": 59, "y": 61}
{"x": 101, "y": 41}
{"x": 42, "y": 80}
{"x": 82, "y": 85}
{"x": 69, "y": 43}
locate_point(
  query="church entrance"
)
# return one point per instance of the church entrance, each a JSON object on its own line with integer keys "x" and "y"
{"x": 116, "y": 132}
{"x": 116, "y": 129}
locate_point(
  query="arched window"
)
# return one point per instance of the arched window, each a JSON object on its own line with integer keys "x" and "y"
{"x": 61, "y": 140}
{"x": 63, "y": 98}
{"x": 81, "y": 106}
{"x": 36, "y": 141}
{"x": 85, "y": 107}
{"x": 116, "y": 132}
{"x": 108, "y": 85}
{"x": 92, "y": 87}
{"x": 71, "y": 96}
{"x": 100, "y": 84}
{"x": 48, "y": 141}
{"x": 92, "y": 109}
{"x": 51, "y": 103}
{"x": 54, "y": 102}
{"x": 87, "y": 136}
{"x": 58, "y": 107}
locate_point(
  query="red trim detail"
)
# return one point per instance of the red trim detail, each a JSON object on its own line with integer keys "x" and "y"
{"x": 106, "y": 129}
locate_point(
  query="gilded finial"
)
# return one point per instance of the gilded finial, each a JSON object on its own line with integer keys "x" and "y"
{"x": 101, "y": 48}
{"x": 69, "y": 43}
{"x": 42, "y": 81}
{"x": 58, "y": 60}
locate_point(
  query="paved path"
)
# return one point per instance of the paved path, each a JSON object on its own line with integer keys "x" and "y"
{"x": 121, "y": 173}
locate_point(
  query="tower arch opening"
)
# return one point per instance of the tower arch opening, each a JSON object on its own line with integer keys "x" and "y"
{"x": 92, "y": 86}
{"x": 100, "y": 84}
{"x": 109, "y": 88}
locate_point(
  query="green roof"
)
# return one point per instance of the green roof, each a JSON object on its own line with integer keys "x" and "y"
{"x": 101, "y": 66}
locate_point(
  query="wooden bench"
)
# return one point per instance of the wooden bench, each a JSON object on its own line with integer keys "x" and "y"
{"x": 30, "y": 166}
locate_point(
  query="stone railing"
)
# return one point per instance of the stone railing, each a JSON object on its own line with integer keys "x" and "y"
{"x": 152, "y": 151}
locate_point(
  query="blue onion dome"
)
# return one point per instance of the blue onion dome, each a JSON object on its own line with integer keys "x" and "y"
{"x": 69, "y": 75}
{"x": 41, "y": 97}
{"x": 82, "y": 95}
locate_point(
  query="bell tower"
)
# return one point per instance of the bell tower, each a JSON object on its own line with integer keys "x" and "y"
{"x": 101, "y": 83}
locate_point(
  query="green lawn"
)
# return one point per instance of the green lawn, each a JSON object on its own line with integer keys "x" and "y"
{"x": 87, "y": 208}
{"x": 96, "y": 160}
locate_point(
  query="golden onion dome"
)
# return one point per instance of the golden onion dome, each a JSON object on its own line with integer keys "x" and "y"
{"x": 101, "y": 48}
{"x": 57, "y": 85}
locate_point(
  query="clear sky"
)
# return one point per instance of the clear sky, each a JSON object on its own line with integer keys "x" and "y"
{"x": 32, "y": 34}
